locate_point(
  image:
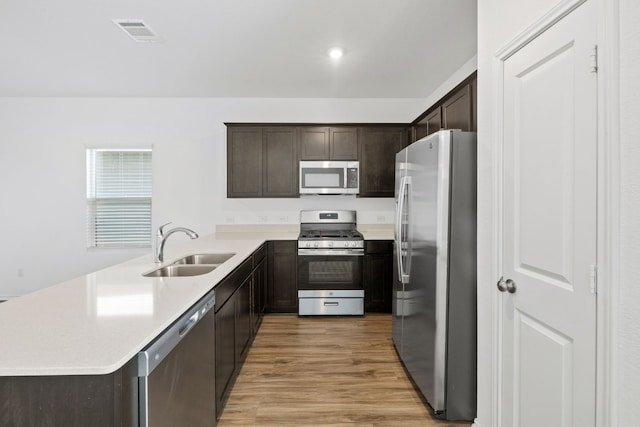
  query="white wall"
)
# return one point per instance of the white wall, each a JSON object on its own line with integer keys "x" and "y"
{"x": 628, "y": 390}
{"x": 499, "y": 21}
{"x": 42, "y": 171}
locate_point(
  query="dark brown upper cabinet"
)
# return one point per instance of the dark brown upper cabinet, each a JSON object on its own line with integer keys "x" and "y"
{"x": 456, "y": 110}
{"x": 378, "y": 148}
{"x": 244, "y": 161}
{"x": 262, "y": 161}
{"x": 328, "y": 143}
{"x": 280, "y": 162}
{"x": 431, "y": 123}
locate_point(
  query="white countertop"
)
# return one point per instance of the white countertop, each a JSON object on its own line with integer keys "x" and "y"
{"x": 94, "y": 324}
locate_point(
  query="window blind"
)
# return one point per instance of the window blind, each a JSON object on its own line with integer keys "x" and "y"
{"x": 118, "y": 198}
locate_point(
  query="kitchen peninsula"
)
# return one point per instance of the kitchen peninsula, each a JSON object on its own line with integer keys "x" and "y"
{"x": 84, "y": 334}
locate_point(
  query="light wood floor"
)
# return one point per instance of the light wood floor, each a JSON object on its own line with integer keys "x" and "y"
{"x": 325, "y": 371}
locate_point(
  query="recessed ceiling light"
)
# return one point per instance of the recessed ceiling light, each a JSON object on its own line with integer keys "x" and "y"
{"x": 336, "y": 52}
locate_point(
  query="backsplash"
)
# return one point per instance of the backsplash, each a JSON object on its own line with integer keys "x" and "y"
{"x": 287, "y": 211}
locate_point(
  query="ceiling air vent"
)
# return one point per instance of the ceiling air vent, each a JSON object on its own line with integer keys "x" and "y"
{"x": 138, "y": 30}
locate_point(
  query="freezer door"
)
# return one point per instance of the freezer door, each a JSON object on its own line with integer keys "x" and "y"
{"x": 425, "y": 294}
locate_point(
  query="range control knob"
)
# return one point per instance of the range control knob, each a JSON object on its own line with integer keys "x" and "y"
{"x": 316, "y": 244}
{"x": 330, "y": 244}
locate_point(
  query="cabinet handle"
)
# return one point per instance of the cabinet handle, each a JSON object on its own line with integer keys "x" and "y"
{"x": 331, "y": 303}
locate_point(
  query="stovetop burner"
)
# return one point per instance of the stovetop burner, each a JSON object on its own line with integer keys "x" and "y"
{"x": 329, "y": 230}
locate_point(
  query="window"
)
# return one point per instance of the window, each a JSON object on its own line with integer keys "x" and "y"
{"x": 118, "y": 198}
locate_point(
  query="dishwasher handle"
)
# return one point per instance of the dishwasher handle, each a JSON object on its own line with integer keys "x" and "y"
{"x": 150, "y": 357}
{"x": 189, "y": 324}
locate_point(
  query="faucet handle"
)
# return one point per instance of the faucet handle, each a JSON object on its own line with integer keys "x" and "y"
{"x": 161, "y": 228}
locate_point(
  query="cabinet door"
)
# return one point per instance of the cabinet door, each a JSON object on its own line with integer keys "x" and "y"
{"x": 429, "y": 124}
{"x": 456, "y": 110}
{"x": 244, "y": 162}
{"x": 225, "y": 351}
{"x": 378, "y": 276}
{"x": 434, "y": 121}
{"x": 344, "y": 143}
{"x": 280, "y": 162}
{"x": 282, "y": 294}
{"x": 378, "y": 148}
{"x": 419, "y": 130}
{"x": 258, "y": 293}
{"x": 243, "y": 320}
{"x": 314, "y": 143}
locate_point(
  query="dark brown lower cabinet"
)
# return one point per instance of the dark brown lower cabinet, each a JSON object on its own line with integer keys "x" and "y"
{"x": 225, "y": 352}
{"x": 258, "y": 291}
{"x": 378, "y": 276}
{"x": 74, "y": 400}
{"x": 234, "y": 329}
{"x": 282, "y": 288}
{"x": 239, "y": 308}
{"x": 244, "y": 330}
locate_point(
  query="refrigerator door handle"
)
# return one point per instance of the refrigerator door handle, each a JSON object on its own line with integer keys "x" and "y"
{"x": 406, "y": 268}
{"x": 401, "y": 243}
{"x": 398, "y": 231}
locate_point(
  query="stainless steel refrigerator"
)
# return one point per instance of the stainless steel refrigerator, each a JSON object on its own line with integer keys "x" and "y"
{"x": 434, "y": 295}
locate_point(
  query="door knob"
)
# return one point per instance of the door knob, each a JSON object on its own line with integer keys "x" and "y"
{"x": 506, "y": 285}
{"x": 511, "y": 286}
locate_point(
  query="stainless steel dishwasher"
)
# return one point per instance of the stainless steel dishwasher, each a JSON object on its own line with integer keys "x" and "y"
{"x": 176, "y": 372}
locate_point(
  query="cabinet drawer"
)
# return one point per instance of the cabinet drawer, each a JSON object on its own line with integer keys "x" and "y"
{"x": 229, "y": 285}
{"x": 284, "y": 246}
{"x": 259, "y": 255}
{"x": 331, "y": 306}
{"x": 378, "y": 246}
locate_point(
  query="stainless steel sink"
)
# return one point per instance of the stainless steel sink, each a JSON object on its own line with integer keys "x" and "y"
{"x": 191, "y": 265}
{"x": 211, "y": 259}
{"x": 181, "y": 270}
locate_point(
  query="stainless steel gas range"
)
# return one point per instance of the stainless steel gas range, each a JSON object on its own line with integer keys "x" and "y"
{"x": 330, "y": 257}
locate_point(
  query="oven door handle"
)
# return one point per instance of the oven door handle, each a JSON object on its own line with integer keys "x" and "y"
{"x": 331, "y": 252}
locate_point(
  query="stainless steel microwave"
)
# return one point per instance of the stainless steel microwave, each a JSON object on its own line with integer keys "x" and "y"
{"x": 329, "y": 177}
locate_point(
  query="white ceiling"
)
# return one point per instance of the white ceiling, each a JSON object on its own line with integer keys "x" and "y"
{"x": 234, "y": 48}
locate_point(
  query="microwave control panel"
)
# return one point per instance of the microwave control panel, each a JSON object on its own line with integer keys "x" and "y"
{"x": 352, "y": 177}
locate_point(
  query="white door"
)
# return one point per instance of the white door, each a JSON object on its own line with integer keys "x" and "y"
{"x": 548, "y": 325}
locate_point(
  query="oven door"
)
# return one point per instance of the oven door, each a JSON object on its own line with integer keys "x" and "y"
{"x": 330, "y": 269}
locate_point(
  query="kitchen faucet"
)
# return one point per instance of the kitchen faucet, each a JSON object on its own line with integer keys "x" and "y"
{"x": 161, "y": 238}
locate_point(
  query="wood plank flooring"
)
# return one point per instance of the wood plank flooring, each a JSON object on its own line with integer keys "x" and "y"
{"x": 325, "y": 371}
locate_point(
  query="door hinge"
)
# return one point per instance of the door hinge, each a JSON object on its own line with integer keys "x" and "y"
{"x": 593, "y": 279}
{"x": 594, "y": 59}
